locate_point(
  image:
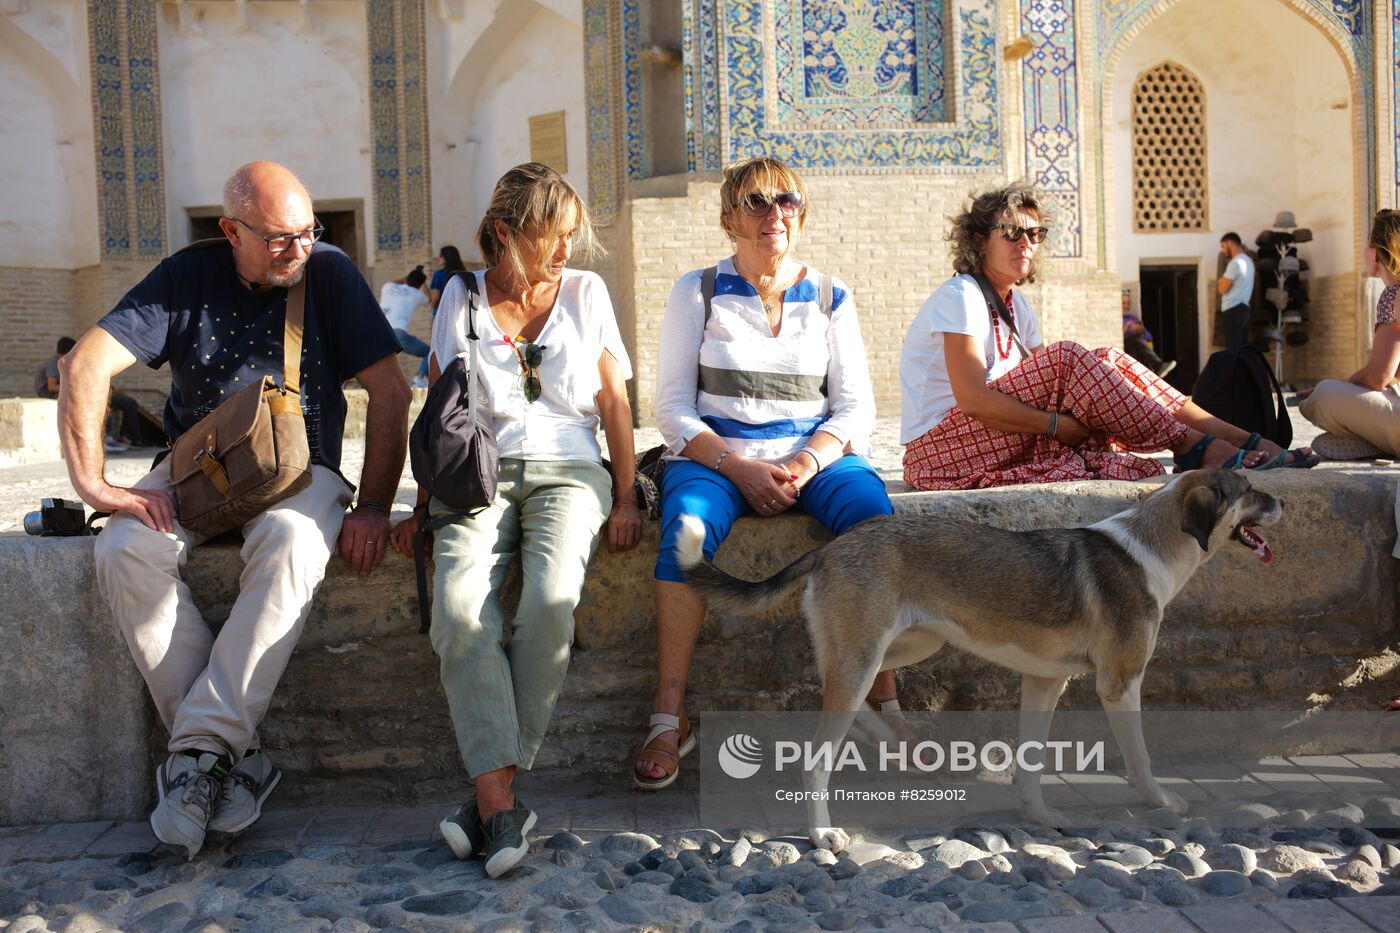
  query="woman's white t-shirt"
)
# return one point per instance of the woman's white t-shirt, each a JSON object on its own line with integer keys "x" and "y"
{"x": 957, "y": 307}
{"x": 562, "y": 424}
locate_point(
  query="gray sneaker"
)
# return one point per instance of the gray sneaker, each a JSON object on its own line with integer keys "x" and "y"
{"x": 243, "y": 792}
{"x": 463, "y": 830}
{"x": 187, "y": 786}
{"x": 505, "y": 833}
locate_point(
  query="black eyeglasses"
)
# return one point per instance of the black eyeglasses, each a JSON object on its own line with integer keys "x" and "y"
{"x": 529, "y": 355}
{"x": 758, "y": 204}
{"x": 1011, "y": 233}
{"x": 281, "y": 242}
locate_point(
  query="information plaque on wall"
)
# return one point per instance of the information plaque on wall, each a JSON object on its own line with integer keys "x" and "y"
{"x": 547, "y": 140}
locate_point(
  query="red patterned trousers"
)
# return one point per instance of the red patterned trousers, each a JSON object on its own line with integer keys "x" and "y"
{"x": 1125, "y": 404}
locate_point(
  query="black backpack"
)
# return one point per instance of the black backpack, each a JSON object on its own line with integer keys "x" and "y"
{"x": 452, "y": 446}
{"x": 1239, "y": 386}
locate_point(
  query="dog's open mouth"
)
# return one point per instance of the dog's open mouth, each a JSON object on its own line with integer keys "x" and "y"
{"x": 1250, "y": 537}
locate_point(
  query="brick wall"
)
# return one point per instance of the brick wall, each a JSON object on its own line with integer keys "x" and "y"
{"x": 892, "y": 257}
{"x": 36, "y": 308}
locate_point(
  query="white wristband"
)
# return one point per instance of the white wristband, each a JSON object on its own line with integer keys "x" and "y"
{"x": 816, "y": 457}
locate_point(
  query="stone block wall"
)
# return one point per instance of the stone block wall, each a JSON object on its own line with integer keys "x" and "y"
{"x": 360, "y": 715}
{"x": 881, "y": 234}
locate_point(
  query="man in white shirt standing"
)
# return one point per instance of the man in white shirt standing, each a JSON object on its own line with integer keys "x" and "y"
{"x": 1236, "y": 288}
{"x": 400, "y": 299}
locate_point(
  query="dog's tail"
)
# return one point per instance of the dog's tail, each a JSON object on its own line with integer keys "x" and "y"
{"x": 728, "y": 593}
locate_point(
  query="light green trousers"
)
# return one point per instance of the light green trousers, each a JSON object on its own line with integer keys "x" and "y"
{"x": 501, "y": 690}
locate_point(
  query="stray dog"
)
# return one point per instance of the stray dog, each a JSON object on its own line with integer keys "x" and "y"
{"x": 1048, "y": 604}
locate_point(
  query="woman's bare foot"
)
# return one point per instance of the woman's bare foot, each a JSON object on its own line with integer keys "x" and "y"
{"x": 1221, "y": 452}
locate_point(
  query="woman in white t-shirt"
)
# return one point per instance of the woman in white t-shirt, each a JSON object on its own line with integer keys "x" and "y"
{"x": 555, "y": 367}
{"x": 987, "y": 403}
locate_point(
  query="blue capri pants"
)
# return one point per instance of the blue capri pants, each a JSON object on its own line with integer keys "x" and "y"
{"x": 845, "y": 493}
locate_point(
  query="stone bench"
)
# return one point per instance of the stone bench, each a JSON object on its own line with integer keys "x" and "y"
{"x": 360, "y": 716}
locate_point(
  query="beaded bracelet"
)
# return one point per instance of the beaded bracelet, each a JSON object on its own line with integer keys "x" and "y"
{"x": 720, "y": 458}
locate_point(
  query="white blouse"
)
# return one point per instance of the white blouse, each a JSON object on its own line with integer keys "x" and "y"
{"x": 562, "y": 424}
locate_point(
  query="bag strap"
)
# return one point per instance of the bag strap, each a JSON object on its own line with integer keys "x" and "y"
{"x": 997, "y": 307}
{"x": 824, "y": 289}
{"x": 1280, "y": 406}
{"x": 707, "y": 292}
{"x": 291, "y": 339}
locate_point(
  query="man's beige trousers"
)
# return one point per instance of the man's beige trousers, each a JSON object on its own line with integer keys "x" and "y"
{"x": 212, "y": 692}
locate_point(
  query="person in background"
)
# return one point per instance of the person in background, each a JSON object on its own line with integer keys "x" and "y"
{"x": 1137, "y": 340}
{"x": 123, "y": 412}
{"x": 449, "y": 264}
{"x": 399, "y": 299}
{"x": 1236, "y": 287}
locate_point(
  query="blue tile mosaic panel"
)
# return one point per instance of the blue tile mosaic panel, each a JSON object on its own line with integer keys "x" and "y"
{"x": 602, "y": 151}
{"x": 126, "y": 108}
{"x": 1053, "y": 152}
{"x": 857, "y": 63}
{"x": 398, "y": 114}
{"x": 849, "y": 133}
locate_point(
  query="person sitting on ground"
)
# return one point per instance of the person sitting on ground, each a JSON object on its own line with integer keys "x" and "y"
{"x": 987, "y": 403}
{"x": 764, "y": 398}
{"x": 1361, "y": 414}
{"x": 399, "y": 299}
{"x": 123, "y": 427}
{"x": 217, "y": 315}
{"x": 555, "y": 366}
{"x": 1137, "y": 340}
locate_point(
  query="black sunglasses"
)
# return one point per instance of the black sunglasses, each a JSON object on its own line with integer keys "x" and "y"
{"x": 758, "y": 204}
{"x": 529, "y": 355}
{"x": 1011, "y": 233}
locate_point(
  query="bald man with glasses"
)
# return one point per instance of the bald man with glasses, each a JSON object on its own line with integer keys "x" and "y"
{"x": 216, "y": 316}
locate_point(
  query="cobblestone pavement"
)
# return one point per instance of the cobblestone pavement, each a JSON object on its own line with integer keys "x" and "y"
{"x": 607, "y": 859}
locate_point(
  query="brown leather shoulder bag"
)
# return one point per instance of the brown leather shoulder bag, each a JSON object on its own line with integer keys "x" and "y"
{"x": 251, "y": 451}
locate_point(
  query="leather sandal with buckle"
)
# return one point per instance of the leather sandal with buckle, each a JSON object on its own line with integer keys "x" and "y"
{"x": 667, "y": 760}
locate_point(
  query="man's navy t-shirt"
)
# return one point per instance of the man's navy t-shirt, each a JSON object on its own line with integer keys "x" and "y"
{"x": 218, "y": 336}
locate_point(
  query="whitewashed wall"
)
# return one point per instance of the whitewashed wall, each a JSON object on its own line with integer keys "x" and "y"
{"x": 1279, "y": 134}
{"x": 274, "y": 90}
{"x": 495, "y": 66}
{"x": 47, "y": 164}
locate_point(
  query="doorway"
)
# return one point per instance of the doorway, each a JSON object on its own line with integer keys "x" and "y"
{"x": 340, "y": 218}
{"x": 1170, "y": 311}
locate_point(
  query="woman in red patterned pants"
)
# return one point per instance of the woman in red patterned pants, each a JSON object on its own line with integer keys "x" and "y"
{"x": 987, "y": 403}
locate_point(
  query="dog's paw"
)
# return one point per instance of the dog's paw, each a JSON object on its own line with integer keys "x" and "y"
{"x": 1173, "y": 802}
{"x": 1046, "y": 816}
{"x": 832, "y": 838}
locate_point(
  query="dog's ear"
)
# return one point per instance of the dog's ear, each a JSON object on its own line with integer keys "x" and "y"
{"x": 1200, "y": 510}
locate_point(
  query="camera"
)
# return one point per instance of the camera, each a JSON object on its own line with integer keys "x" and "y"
{"x": 57, "y": 518}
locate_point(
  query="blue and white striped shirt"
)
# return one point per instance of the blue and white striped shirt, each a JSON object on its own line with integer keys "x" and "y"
{"x": 764, "y": 395}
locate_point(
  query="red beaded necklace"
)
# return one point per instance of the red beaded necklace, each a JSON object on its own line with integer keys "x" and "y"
{"x": 996, "y": 329}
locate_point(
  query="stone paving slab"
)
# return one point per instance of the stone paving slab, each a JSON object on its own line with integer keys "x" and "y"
{"x": 1233, "y": 918}
{"x": 1316, "y": 917}
{"x": 14, "y": 838}
{"x": 406, "y": 824}
{"x": 343, "y": 827}
{"x": 277, "y": 829}
{"x": 1061, "y": 925}
{"x": 1154, "y": 920}
{"x": 63, "y": 840}
{"x": 121, "y": 839}
{"x": 1340, "y": 772}
{"x": 1383, "y": 913}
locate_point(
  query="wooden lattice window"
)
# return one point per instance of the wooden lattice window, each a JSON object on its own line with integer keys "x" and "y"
{"x": 1169, "y": 151}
